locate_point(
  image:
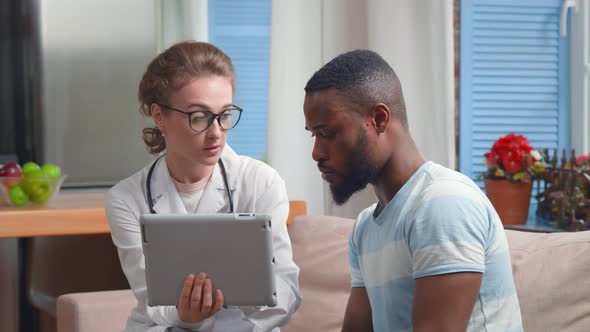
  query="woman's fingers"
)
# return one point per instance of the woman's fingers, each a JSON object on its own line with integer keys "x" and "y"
{"x": 197, "y": 293}
{"x": 219, "y": 300}
{"x": 185, "y": 294}
{"x": 207, "y": 297}
{"x": 198, "y": 300}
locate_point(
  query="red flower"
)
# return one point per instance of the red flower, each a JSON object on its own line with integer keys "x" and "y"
{"x": 511, "y": 153}
{"x": 582, "y": 159}
{"x": 511, "y": 164}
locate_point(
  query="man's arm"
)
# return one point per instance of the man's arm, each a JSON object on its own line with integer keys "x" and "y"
{"x": 445, "y": 302}
{"x": 357, "y": 317}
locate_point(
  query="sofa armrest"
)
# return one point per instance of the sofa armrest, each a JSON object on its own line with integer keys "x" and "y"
{"x": 94, "y": 311}
{"x": 320, "y": 248}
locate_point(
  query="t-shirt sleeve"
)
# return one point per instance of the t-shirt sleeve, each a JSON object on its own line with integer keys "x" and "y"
{"x": 354, "y": 262}
{"x": 447, "y": 233}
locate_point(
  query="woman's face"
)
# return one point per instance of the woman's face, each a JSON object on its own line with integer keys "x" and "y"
{"x": 210, "y": 93}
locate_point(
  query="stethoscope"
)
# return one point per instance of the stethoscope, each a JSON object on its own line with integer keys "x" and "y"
{"x": 149, "y": 187}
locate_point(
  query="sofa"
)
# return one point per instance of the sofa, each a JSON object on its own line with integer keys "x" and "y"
{"x": 551, "y": 271}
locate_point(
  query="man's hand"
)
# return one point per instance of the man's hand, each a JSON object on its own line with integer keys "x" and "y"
{"x": 196, "y": 302}
{"x": 445, "y": 302}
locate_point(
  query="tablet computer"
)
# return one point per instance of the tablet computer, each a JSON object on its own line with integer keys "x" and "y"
{"x": 235, "y": 250}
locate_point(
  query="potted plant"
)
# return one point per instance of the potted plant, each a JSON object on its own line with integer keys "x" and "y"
{"x": 583, "y": 162}
{"x": 511, "y": 165}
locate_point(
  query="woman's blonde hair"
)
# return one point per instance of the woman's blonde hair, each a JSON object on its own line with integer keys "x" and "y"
{"x": 170, "y": 71}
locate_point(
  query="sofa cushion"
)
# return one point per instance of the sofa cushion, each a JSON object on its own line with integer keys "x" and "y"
{"x": 320, "y": 249}
{"x": 94, "y": 311}
{"x": 552, "y": 276}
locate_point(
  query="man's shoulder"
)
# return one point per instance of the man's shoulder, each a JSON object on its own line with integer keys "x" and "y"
{"x": 445, "y": 182}
{"x": 448, "y": 198}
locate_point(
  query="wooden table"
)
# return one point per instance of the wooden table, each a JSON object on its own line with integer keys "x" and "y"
{"x": 70, "y": 213}
{"x": 73, "y": 214}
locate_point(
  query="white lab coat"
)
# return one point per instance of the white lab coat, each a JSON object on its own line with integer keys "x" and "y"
{"x": 256, "y": 188}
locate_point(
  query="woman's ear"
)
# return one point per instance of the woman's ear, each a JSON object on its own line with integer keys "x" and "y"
{"x": 158, "y": 117}
{"x": 381, "y": 116}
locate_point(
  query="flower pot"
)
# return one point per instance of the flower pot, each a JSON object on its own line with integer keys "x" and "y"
{"x": 511, "y": 200}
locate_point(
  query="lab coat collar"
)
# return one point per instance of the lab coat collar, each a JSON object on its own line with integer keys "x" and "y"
{"x": 164, "y": 195}
{"x": 214, "y": 199}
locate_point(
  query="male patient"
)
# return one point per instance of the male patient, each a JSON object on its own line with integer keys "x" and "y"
{"x": 431, "y": 255}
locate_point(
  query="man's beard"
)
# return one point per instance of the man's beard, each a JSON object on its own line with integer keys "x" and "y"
{"x": 360, "y": 173}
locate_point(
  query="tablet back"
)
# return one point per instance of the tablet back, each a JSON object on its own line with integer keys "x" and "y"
{"x": 235, "y": 250}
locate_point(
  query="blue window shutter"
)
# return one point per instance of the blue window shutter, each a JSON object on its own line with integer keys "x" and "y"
{"x": 241, "y": 28}
{"x": 514, "y": 77}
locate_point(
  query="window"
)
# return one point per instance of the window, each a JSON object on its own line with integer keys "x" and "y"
{"x": 514, "y": 77}
{"x": 241, "y": 28}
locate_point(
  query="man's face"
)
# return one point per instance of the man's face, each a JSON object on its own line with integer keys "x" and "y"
{"x": 341, "y": 145}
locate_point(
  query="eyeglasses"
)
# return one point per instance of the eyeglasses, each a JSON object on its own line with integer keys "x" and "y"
{"x": 200, "y": 121}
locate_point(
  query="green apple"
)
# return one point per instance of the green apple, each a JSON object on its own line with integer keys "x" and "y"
{"x": 18, "y": 196}
{"x": 30, "y": 166}
{"x": 41, "y": 194}
{"x": 30, "y": 178}
{"x": 52, "y": 171}
{"x": 37, "y": 185}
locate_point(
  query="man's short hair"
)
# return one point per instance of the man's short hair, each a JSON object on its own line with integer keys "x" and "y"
{"x": 364, "y": 78}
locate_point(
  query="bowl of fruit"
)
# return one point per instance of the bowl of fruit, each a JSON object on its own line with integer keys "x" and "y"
{"x": 31, "y": 184}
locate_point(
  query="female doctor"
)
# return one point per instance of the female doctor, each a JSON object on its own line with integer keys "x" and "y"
{"x": 187, "y": 91}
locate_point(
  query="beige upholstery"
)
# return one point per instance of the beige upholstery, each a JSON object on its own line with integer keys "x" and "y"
{"x": 551, "y": 271}
{"x": 320, "y": 250}
{"x": 86, "y": 311}
{"x": 552, "y": 275}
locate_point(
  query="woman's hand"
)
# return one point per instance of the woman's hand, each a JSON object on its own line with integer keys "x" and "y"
{"x": 197, "y": 302}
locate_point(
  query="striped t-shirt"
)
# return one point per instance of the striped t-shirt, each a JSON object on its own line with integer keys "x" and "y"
{"x": 439, "y": 222}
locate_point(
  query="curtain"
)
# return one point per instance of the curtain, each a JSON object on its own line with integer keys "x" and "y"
{"x": 180, "y": 20}
{"x": 414, "y": 36}
{"x": 580, "y": 77}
